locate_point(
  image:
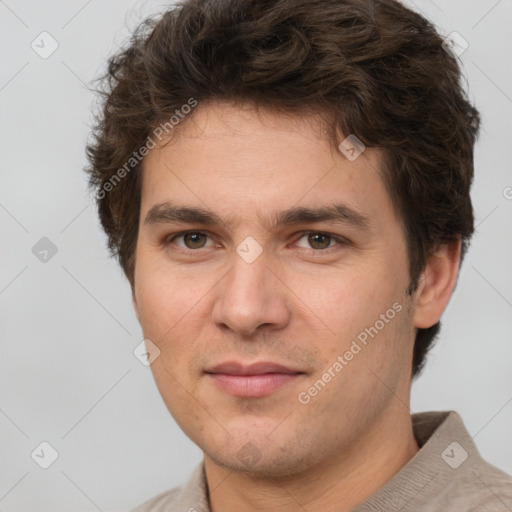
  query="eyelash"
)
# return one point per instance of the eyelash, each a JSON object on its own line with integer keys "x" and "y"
{"x": 340, "y": 241}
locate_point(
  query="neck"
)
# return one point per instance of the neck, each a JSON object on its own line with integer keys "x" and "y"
{"x": 338, "y": 484}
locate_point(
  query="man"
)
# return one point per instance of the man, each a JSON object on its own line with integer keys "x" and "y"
{"x": 286, "y": 185}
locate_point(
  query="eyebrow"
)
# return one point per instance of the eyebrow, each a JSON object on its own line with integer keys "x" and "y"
{"x": 163, "y": 213}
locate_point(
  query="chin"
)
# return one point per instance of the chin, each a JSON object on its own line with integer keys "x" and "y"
{"x": 264, "y": 459}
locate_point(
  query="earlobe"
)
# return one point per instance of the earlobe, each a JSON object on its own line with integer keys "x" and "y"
{"x": 436, "y": 284}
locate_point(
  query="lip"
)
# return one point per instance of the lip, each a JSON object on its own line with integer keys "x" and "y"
{"x": 254, "y": 380}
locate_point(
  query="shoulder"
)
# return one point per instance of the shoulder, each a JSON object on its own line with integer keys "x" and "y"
{"x": 190, "y": 497}
{"x": 466, "y": 481}
{"x": 447, "y": 473}
{"x": 160, "y": 503}
{"x": 462, "y": 479}
{"x": 485, "y": 488}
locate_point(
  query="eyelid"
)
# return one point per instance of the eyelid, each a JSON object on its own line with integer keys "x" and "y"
{"x": 339, "y": 239}
{"x": 171, "y": 238}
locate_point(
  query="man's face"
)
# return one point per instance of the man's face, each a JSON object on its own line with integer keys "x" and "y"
{"x": 253, "y": 284}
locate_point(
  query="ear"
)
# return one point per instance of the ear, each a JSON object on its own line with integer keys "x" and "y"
{"x": 436, "y": 284}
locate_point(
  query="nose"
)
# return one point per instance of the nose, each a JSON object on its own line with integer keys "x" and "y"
{"x": 251, "y": 297}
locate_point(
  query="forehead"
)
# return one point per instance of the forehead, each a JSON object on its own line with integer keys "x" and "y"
{"x": 247, "y": 162}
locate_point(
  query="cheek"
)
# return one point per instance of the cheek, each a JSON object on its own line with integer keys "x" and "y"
{"x": 168, "y": 318}
{"x": 158, "y": 295}
{"x": 172, "y": 308}
{"x": 345, "y": 297}
{"x": 155, "y": 304}
{"x": 349, "y": 303}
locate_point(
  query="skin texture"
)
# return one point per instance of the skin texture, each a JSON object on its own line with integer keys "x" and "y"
{"x": 296, "y": 305}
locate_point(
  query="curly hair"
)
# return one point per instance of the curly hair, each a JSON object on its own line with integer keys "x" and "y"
{"x": 375, "y": 68}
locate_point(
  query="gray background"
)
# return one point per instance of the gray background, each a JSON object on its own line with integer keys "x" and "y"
{"x": 68, "y": 375}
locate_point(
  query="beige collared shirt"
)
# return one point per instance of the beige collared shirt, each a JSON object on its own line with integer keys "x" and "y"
{"x": 447, "y": 474}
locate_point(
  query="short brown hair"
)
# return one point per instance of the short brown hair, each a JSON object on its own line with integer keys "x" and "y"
{"x": 375, "y": 68}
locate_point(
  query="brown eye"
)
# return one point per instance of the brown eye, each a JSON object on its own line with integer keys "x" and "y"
{"x": 319, "y": 240}
{"x": 194, "y": 240}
